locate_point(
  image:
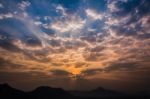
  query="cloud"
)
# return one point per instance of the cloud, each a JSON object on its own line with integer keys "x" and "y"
{"x": 57, "y": 64}
{"x": 72, "y": 24}
{"x": 73, "y": 44}
{"x": 1, "y": 5}
{"x": 112, "y": 21}
{"x": 81, "y": 64}
{"x": 97, "y": 49}
{"x": 93, "y": 14}
{"x": 112, "y": 6}
{"x": 24, "y": 4}
{"x": 6, "y": 64}
{"x": 55, "y": 42}
{"x": 5, "y": 16}
{"x": 59, "y": 72}
{"x": 38, "y": 23}
{"x": 122, "y": 66}
{"x": 92, "y": 56}
{"x": 61, "y": 9}
{"x": 30, "y": 44}
{"x": 89, "y": 39}
{"x": 7, "y": 44}
{"x": 90, "y": 72}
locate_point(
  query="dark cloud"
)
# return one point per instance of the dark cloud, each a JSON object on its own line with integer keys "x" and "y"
{"x": 39, "y": 56}
{"x": 7, "y": 44}
{"x": 58, "y": 72}
{"x": 5, "y": 64}
{"x": 55, "y": 43}
{"x": 90, "y": 39}
{"x": 96, "y": 49}
{"x": 4, "y": 34}
{"x": 132, "y": 5}
{"x": 90, "y": 72}
{"x": 73, "y": 44}
{"x": 120, "y": 30}
{"x": 143, "y": 36}
{"x": 93, "y": 56}
{"x": 124, "y": 66}
{"x": 126, "y": 7}
{"x": 50, "y": 32}
{"x": 58, "y": 50}
{"x": 33, "y": 42}
{"x": 81, "y": 64}
{"x": 9, "y": 28}
{"x": 56, "y": 64}
{"x": 133, "y": 12}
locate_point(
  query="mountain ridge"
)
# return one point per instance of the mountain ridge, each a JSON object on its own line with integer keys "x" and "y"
{"x": 45, "y": 92}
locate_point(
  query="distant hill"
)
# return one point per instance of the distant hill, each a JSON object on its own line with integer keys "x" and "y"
{"x": 45, "y": 92}
{"x": 103, "y": 91}
{"x": 7, "y": 92}
{"x": 99, "y": 92}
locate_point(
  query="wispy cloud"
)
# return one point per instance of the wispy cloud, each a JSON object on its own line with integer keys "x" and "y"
{"x": 94, "y": 15}
{"x": 24, "y": 4}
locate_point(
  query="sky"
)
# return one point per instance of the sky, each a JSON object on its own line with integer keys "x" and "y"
{"x": 75, "y": 44}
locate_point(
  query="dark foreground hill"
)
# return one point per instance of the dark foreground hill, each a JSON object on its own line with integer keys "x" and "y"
{"x": 44, "y": 92}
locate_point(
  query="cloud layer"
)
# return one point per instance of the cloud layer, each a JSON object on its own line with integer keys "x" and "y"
{"x": 77, "y": 40}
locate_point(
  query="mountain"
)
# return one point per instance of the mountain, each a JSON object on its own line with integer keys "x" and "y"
{"x": 45, "y": 92}
{"x": 143, "y": 93}
{"x": 102, "y": 91}
{"x": 98, "y": 92}
{"x": 8, "y": 92}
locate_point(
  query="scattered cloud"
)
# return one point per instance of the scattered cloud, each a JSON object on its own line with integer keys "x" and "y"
{"x": 7, "y": 15}
{"x": 6, "y": 64}
{"x": 59, "y": 72}
{"x": 129, "y": 66}
{"x": 24, "y": 4}
{"x": 73, "y": 24}
{"x": 1, "y": 5}
{"x": 112, "y": 6}
{"x": 38, "y": 23}
{"x": 90, "y": 72}
{"x": 93, "y": 14}
{"x": 61, "y": 9}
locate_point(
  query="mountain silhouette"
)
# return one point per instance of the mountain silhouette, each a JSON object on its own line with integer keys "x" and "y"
{"x": 144, "y": 93}
{"x": 102, "y": 91}
{"x": 8, "y": 92}
{"x": 45, "y": 92}
{"x": 98, "y": 93}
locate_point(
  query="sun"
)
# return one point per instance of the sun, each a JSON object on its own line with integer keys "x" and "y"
{"x": 74, "y": 71}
